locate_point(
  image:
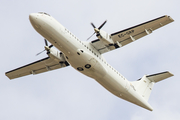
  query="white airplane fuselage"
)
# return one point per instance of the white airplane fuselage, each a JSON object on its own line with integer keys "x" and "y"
{"x": 83, "y": 57}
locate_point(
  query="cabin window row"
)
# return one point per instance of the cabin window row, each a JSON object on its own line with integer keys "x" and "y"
{"x": 95, "y": 54}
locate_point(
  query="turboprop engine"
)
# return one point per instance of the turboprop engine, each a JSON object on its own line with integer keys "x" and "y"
{"x": 102, "y": 35}
{"x": 54, "y": 54}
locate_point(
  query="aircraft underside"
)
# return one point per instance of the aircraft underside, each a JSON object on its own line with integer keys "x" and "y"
{"x": 86, "y": 57}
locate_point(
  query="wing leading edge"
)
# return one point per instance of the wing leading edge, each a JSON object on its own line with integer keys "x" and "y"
{"x": 131, "y": 34}
{"x": 37, "y": 67}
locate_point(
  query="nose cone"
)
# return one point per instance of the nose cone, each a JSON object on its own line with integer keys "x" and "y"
{"x": 32, "y": 17}
{"x": 35, "y": 20}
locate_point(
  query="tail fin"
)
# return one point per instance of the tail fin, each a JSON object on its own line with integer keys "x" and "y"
{"x": 144, "y": 85}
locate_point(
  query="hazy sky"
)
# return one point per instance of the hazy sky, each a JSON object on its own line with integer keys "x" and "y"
{"x": 69, "y": 95}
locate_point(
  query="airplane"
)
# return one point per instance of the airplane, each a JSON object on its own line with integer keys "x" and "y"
{"x": 87, "y": 56}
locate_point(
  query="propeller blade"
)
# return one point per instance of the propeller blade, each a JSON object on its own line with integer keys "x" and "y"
{"x": 46, "y": 43}
{"x": 50, "y": 46}
{"x": 47, "y": 48}
{"x": 91, "y": 35}
{"x": 93, "y": 25}
{"x": 102, "y": 25}
{"x": 40, "y": 53}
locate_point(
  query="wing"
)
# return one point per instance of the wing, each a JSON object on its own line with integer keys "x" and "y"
{"x": 37, "y": 67}
{"x": 129, "y": 35}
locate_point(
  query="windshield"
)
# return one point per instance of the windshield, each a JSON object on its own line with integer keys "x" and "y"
{"x": 44, "y": 13}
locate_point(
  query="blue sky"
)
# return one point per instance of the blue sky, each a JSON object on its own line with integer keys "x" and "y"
{"x": 66, "y": 93}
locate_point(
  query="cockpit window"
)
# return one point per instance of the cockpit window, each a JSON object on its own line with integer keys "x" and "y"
{"x": 44, "y": 13}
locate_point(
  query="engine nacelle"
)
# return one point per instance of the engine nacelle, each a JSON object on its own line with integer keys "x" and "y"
{"x": 105, "y": 37}
{"x": 56, "y": 55}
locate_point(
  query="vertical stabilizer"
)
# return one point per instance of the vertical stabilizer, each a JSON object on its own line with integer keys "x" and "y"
{"x": 145, "y": 85}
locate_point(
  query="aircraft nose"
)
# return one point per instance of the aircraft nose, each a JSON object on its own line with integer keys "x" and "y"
{"x": 32, "y": 17}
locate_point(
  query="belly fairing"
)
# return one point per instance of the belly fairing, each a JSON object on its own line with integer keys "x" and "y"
{"x": 87, "y": 64}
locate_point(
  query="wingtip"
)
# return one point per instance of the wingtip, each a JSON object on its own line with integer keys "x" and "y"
{"x": 172, "y": 20}
{"x": 171, "y": 74}
{"x": 10, "y": 77}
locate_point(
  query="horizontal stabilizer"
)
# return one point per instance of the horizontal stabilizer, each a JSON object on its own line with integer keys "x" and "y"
{"x": 159, "y": 76}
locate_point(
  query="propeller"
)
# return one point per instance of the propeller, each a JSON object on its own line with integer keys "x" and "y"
{"x": 102, "y": 24}
{"x": 97, "y": 29}
{"x": 40, "y": 53}
{"x": 47, "y": 48}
